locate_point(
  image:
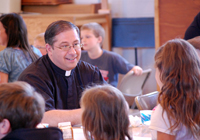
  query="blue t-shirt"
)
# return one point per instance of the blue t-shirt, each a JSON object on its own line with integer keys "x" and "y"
{"x": 110, "y": 65}
{"x": 13, "y": 62}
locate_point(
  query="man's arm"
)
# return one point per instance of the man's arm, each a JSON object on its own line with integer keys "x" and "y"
{"x": 53, "y": 117}
{"x": 195, "y": 42}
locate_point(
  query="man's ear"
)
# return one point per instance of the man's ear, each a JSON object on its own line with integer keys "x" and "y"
{"x": 5, "y": 127}
{"x": 48, "y": 48}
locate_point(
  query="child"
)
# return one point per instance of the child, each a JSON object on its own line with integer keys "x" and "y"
{"x": 18, "y": 54}
{"x": 177, "y": 115}
{"x": 105, "y": 114}
{"x": 39, "y": 43}
{"x": 21, "y": 110}
{"x": 109, "y": 63}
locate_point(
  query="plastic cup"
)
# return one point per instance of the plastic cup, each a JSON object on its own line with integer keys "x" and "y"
{"x": 146, "y": 116}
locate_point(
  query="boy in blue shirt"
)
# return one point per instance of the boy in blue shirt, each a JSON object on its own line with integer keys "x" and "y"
{"x": 109, "y": 63}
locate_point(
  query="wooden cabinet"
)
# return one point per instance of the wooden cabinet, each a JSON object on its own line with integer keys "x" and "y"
{"x": 172, "y": 18}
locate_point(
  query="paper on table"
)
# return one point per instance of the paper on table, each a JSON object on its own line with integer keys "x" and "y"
{"x": 78, "y": 134}
{"x": 134, "y": 121}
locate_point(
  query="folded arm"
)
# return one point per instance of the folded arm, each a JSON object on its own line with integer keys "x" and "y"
{"x": 53, "y": 117}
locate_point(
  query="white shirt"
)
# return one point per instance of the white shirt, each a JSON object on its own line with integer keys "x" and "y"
{"x": 161, "y": 123}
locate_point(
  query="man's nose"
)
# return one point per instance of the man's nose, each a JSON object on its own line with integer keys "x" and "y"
{"x": 72, "y": 50}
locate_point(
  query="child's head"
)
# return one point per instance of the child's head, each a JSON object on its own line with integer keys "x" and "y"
{"x": 178, "y": 74}
{"x": 39, "y": 43}
{"x": 105, "y": 113}
{"x": 20, "y": 107}
{"x": 96, "y": 29}
{"x": 177, "y": 60}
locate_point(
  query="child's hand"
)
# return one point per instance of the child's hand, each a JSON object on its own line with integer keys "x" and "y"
{"x": 137, "y": 70}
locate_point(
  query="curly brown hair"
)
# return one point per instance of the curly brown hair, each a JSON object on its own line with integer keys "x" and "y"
{"x": 179, "y": 67}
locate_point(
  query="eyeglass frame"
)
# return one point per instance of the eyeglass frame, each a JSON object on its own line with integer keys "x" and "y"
{"x": 69, "y": 47}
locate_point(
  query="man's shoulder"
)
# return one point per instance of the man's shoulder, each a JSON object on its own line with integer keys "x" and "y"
{"x": 35, "y": 69}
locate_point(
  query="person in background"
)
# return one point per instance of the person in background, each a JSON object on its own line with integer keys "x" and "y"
{"x": 109, "y": 63}
{"x": 194, "y": 29}
{"x": 39, "y": 43}
{"x": 105, "y": 114}
{"x": 192, "y": 34}
{"x": 59, "y": 76}
{"x": 21, "y": 110}
{"x": 18, "y": 54}
{"x": 177, "y": 74}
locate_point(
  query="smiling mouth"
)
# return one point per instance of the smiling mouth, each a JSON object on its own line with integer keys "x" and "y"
{"x": 71, "y": 58}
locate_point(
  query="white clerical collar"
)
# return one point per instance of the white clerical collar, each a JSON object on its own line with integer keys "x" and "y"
{"x": 67, "y": 73}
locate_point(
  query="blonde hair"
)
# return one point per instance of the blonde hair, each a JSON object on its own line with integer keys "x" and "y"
{"x": 97, "y": 29}
{"x": 40, "y": 37}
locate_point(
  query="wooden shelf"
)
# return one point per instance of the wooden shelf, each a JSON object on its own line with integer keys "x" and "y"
{"x": 37, "y": 23}
{"x": 45, "y": 2}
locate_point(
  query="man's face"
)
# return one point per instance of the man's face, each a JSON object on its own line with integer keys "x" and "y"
{"x": 66, "y": 60}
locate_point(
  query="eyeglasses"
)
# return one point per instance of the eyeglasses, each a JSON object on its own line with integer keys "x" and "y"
{"x": 76, "y": 46}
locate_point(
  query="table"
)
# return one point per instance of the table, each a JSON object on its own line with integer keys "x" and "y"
{"x": 37, "y": 23}
{"x": 141, "y": 132}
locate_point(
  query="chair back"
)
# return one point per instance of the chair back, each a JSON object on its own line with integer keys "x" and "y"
{"x": 147, "y": 101}
{"x": 131, "y": 85}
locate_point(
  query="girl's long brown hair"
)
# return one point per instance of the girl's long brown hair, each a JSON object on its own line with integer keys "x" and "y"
{"x": 179, "y": 67}
{"x": 105, "y": 114}
{"x": 17, "y": 33}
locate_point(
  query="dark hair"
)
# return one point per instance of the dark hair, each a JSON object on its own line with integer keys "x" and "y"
{"x": 21, "y": 105}
{"x": 96, "y": 28}
{"x": 56, "y": 28}
{"x": 17, "y": 33}
{"x": 179, "y": 67}
{"x": 105, "y": 113}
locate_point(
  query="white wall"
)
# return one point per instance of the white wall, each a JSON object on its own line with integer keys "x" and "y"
{"x": 86, "y": 1}
{"x": 126, "y": 8}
